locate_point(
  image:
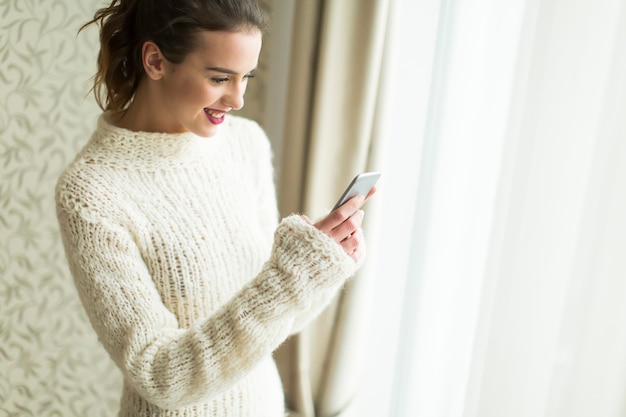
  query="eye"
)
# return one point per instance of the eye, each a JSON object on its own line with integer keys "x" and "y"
{"x": 248, "y": 76}
{"x": 219, "y": 80}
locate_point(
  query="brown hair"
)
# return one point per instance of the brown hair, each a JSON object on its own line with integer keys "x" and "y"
{"x": 171, "y": 24}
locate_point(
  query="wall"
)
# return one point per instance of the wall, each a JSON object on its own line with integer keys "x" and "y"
{"x": 51, "y": 363}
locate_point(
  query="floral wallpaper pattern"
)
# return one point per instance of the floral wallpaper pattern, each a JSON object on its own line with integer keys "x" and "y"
{"x": 51, "y": 363}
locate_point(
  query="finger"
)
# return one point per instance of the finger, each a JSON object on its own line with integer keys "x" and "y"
{"x": 352, "y": 242}
{"x": 306, "y": 219}
{"x": 348, "y": 227}
{"x": 359, "y": 252}
{"x": 340, "y": 214}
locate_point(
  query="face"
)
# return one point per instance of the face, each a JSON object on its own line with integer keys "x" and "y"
{"x": 196, "y": 94}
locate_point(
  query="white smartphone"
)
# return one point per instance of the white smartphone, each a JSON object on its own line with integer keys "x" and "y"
{"x": 361, "y": 184}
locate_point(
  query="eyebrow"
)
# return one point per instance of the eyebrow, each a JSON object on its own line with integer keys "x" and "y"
{"x": 226, "y": 70}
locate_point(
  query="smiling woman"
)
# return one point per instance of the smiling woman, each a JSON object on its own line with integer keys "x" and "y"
{"x": 169, "y": 220}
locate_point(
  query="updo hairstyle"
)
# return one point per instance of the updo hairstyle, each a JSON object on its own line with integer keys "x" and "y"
{"x": 171, "y": 24}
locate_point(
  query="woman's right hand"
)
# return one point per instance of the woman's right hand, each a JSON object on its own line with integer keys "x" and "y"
{"x": 343, "y": 225}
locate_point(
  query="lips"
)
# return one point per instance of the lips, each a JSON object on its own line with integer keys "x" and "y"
{"x": 215, "y": 116}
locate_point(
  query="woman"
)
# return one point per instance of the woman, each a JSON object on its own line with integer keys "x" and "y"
{"x": 169, "y": 221}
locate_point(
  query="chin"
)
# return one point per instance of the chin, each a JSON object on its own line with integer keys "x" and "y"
{"x": 205, "y": 132}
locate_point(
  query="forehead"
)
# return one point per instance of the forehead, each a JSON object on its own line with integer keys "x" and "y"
{"x": 238, "y": 51}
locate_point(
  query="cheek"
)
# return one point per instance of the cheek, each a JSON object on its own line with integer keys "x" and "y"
{"x": 192, "y": 92}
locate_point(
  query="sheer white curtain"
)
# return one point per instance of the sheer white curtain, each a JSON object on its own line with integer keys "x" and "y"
{"x": 501, "y": 264}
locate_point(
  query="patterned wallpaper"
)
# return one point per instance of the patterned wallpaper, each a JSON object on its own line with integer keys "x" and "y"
{"x": 51, "y": 363}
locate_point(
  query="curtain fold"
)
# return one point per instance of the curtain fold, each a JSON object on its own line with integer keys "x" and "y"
{"x": 560, "y": 227}
{"x": 516, "y": 303}
{"x": 333, "y": 86}
{"x": 293, "y": 357}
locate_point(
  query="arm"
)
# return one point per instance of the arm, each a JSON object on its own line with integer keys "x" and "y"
{"x": 268, "y": 215}
{"x": 174, "y": 367}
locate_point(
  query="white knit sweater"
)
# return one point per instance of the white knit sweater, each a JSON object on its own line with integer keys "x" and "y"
{"x": 188, "y": 280}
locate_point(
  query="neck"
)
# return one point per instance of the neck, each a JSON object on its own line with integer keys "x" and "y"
{"x": 144, "y": 114}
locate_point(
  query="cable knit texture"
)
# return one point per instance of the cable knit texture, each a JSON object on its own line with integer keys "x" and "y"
{"x": 184, "y": 272}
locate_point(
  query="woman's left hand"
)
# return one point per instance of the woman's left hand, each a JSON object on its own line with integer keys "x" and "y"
{"x": 343, "y": 225}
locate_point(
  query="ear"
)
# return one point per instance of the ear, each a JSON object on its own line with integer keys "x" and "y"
{"x": 153, "y": 60}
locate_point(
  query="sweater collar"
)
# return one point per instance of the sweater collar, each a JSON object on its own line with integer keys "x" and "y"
{"x": 159, "y": 150}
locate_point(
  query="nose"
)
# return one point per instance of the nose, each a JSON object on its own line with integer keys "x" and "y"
{"x": 234, "y": 96}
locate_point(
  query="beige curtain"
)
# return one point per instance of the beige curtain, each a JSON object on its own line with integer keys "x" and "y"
{"x": 336, "y": 54}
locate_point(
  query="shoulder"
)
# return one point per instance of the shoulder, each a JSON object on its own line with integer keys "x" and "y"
{"x": 88, "y": 185}
{"x": 78, "y": 188}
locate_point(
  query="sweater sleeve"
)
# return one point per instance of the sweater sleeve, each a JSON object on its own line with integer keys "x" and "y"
{"x": 174, "y": 367}
{"x": 268, "y": 215}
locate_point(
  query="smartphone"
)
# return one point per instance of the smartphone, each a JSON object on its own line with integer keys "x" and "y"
{"x": 361, "y": 184}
